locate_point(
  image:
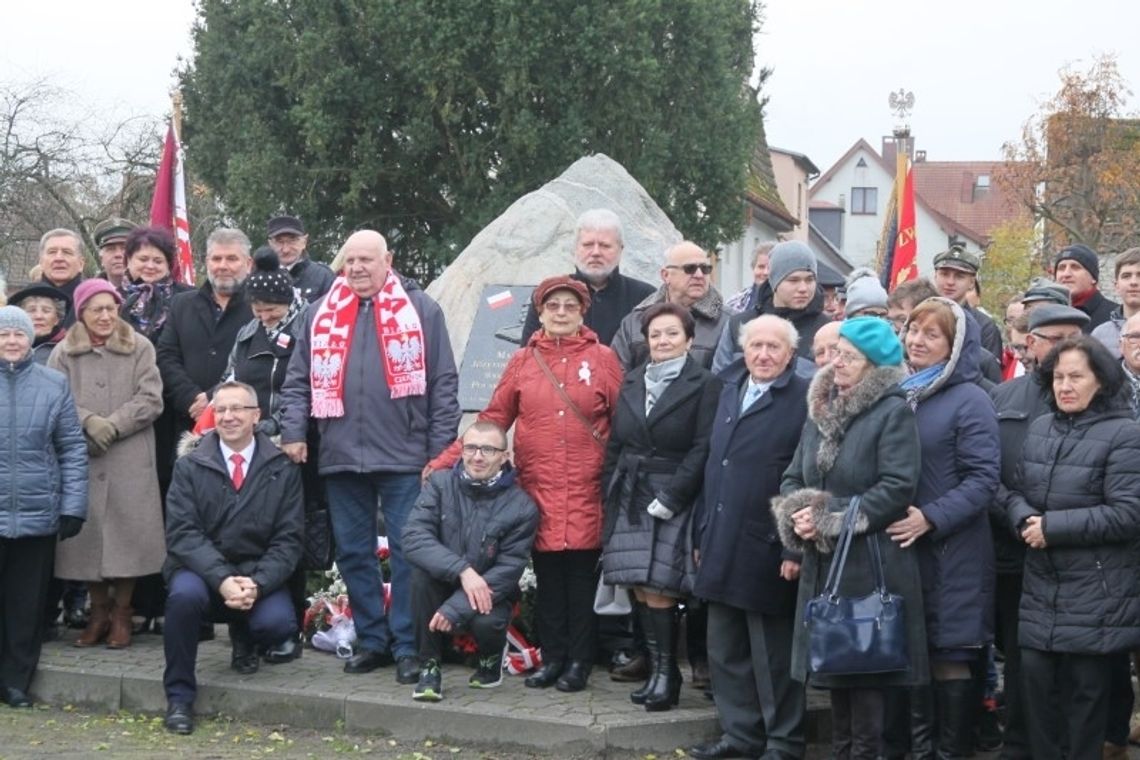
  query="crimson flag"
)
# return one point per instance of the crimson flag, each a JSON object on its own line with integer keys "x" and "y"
{"x": 904, "y": 265}
{"x": 168, "y": 206}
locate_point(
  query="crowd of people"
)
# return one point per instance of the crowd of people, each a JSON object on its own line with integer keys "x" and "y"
{"x": 174, "y": 451}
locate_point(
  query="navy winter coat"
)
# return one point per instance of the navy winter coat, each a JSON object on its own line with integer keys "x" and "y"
{"x": 43, "y": 467}
{"x": 740, "y": 546}
{"x": 961, "y": 459}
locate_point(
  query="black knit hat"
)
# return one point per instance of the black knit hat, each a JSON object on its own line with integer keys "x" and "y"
{"x": 269, "y": 282}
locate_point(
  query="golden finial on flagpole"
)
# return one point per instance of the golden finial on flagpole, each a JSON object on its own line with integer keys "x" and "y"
{"x": 176, "y": 99}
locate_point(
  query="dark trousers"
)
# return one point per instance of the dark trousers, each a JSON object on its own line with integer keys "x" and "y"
{"x": 25, "y": 572}
{"x": 759, "y": 706}
{"x": 1066, "y": 703}
{"x": 1007, "y": 597}
{"x": 564, "y": 603}
{"x": 352, "y": 509}
{"x": 189, "y": 603}
{"x": 857, "y": 723}
{"x": 1121, "y": 699}
{"x": 490, "y": 630}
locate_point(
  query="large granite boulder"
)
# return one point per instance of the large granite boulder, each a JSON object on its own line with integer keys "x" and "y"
{"x": 534, "y": 239}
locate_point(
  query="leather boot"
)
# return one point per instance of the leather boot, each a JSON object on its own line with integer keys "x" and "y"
{"x": 637, "y": 696}
{"x": 121, "y": 626}
{"x": 665, "y": 685}
{"x": 922, "y": 723}
{"x": 957, "y": 706}
{"x": 98, "y": 624}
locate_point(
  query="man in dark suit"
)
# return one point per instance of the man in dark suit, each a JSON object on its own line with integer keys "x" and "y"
{"x": 758, "y": 423}
{"x": 235, "y": 517}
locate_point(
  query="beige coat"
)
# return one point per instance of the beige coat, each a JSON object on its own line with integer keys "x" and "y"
{"x": 123, "y": 536}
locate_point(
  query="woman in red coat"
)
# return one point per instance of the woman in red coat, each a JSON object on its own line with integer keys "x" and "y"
{"x": 559, "y": 392}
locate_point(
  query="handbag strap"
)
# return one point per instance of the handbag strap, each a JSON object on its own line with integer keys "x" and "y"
{"x": 843, "y": 547}
{"x": 566, "y": 397}
{"x": 877, "y": 565}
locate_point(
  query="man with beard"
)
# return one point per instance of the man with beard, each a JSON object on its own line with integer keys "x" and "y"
{"x": 598, "y": 247}
{"x": 203, "y": 324}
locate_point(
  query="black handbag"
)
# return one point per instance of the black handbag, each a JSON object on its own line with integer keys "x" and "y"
{"x": 317, "y": 547}
{"x": 856, "y": 635}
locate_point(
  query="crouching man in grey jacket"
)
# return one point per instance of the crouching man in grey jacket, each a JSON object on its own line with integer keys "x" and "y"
{"x": 468, "y": 539}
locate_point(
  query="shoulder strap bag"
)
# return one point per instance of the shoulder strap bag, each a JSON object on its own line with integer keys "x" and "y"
{"x": 597, "y": 436}
{"x": 856, "y": 635}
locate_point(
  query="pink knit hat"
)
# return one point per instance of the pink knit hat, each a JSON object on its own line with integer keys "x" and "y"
{"x": 88, "y": 289}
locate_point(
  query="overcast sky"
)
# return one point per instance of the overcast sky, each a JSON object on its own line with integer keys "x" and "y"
{"x": 978, "y": 68}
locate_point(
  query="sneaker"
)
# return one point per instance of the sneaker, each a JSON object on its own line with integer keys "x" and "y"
{"x": 489, "y": 673}
{"x": 430, "y": 686}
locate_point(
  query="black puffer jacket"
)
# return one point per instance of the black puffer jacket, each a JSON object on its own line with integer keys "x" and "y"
{"x": 215, "y": 531}
{"x": 1081, "y": 594}
{"x": 456, "y": 524}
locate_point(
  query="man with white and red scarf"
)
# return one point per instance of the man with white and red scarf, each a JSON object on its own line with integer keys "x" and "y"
{"x": 373, "y": 368}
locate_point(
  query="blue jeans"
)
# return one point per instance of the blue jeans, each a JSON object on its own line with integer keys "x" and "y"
{"x": 352, "y": 509}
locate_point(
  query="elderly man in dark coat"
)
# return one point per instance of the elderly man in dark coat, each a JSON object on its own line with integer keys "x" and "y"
{"x": 744, "y": 572}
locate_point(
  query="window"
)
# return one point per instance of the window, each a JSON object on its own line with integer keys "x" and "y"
{"x": 981, "y": 186}
{"x": 865, "y": 200}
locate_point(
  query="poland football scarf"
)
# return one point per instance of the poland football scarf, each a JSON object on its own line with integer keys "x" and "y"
{"x": 398, "y": 332}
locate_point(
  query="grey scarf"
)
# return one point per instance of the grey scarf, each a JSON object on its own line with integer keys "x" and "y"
{"x": 658, "y": 377}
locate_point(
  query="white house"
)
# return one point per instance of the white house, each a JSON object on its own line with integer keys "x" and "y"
{"x": 955, "y": 202}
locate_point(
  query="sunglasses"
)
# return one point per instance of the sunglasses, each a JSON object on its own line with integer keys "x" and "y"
{"x": 691, "y": 269}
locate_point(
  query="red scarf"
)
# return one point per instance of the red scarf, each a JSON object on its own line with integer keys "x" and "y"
{"x": 1080, "y": 299}
{"x": 398, "y": 332}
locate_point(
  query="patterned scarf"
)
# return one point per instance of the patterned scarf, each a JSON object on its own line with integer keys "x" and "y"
{"x": 146, "y": 305}
{"x": 295, "y": 309}
{"x": 919, "y": 381}
{"x": 398, "y": 331}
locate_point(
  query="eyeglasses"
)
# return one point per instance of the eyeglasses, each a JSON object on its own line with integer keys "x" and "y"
{"x": 471, "y": 449}
{"x": 114, "y": 309}
{"x": 848, "y": 357}
{"x": 220, "y": 411}
{"x": 1132, "y": 338}
{"x": 1050, "y": 338}
{"x": 691, "y": 269}
{"x": 570, "y": 307}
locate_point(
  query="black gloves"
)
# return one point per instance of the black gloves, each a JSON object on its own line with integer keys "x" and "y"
{"x": 69, "y": 527}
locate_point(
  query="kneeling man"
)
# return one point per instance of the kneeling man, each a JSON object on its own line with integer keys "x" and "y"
{"x": 468, "y": 539}
{"x": 234, "y": 521}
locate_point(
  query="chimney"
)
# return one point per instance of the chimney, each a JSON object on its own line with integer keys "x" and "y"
{"x": 888, "y": 151}
{"x": 919, "y": 156}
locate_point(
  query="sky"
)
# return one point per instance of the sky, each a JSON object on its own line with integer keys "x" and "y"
{"x": 978, "y": 69}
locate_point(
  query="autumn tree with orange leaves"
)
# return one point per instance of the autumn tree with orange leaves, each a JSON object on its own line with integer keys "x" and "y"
{"x": 1077, "y": 165}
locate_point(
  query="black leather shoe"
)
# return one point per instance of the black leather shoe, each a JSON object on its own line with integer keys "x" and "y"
{"x": 574, "y": 677}
{"x": 715, "y": 750}
{"x": 287, "y": 651}
{"x": 243, "y": 656}
{"x": 546, "y": 675}
{"x": 367, "y": 660}
{"x": 630, "y": 669}
{"x": 179, "y": 718}
{"x": 17, "y": 698}
{"x": 408, "y": 670}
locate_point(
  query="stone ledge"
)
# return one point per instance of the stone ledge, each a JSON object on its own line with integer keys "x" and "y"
{"x": 314, "y": 693}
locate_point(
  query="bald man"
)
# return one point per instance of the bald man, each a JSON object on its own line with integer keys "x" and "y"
{"x": 373, "y": 367}
{"x": 686, "y": 280}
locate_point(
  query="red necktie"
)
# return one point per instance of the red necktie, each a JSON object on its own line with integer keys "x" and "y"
{"x": 238, "y": 476}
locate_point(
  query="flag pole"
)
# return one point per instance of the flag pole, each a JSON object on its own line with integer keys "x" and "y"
{"x": 176, "y": 101}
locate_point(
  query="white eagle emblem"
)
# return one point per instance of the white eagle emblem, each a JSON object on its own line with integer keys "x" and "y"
{"x": 405, "y": 353}
{"x": 326, "y": 366}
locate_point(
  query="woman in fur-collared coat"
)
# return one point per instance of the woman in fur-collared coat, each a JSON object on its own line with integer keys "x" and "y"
{"x": 860, "y": 439}
{"x": 118, "y": 394}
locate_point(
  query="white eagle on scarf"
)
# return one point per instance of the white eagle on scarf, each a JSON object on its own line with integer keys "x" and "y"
{"x": 326, "y": 366}
{"x": 405, "y": 353}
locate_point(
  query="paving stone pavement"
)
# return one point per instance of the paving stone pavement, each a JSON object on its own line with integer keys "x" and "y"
{"x": 313, "y": 692}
